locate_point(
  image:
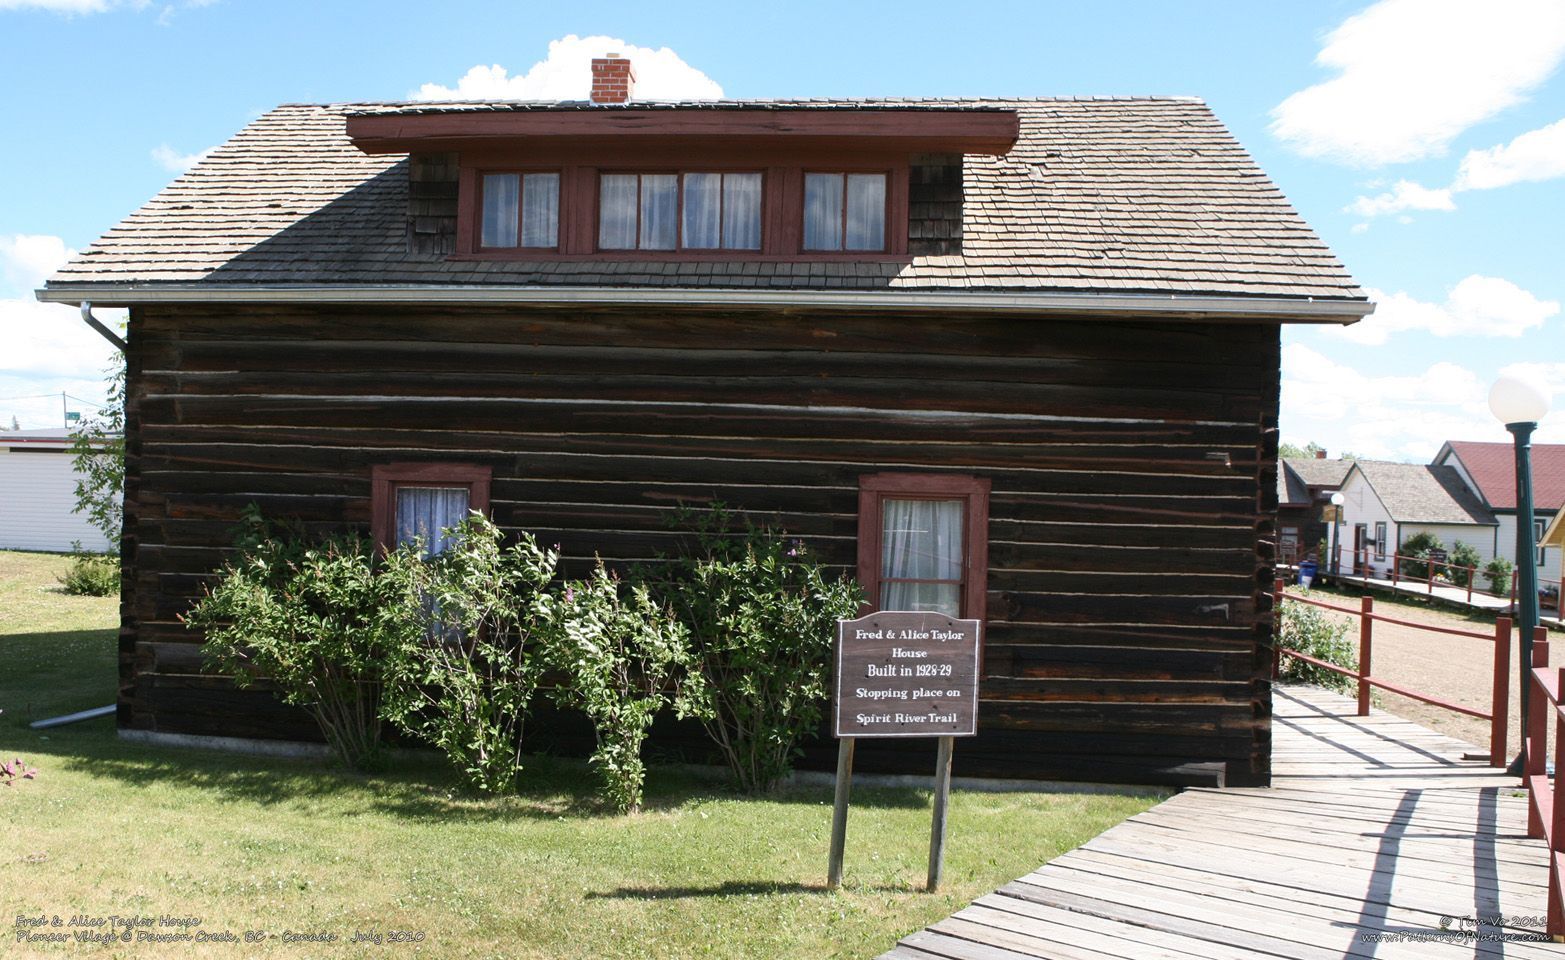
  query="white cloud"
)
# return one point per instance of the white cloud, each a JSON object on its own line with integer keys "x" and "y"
{"x": 50, "y": 340}
{"x": 1413, "y": 74}
{"x": 1535, "y": 155}
{"x": 27, "y": 260}
{"x": 170, "y": 159}
{"x": 1404, "y": 195}
{"x": 1478, "y": 306}
{"x": 566, "y": 75}
{"x": 69, "y": 7}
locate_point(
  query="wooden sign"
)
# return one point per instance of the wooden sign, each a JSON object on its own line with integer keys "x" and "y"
{"x": 903, "y": 675}
{"x": 906, "y": 675}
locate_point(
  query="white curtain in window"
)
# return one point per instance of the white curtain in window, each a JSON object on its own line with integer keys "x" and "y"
{"x": 617, "y": 212}
{"x": 541, "y": 210}
{"x": 500, "y": 199}
{"x": 742, "y": 211}
{"x": 703, "y": 209}
{"x": 866, "y": 211}
{"x": 921, "y": 540}
{"x": 659, "y": 211}
{"x": 823, "y": 211}
{"x": 425, "y": 513}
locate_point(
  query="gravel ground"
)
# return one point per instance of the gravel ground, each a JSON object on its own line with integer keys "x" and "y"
{"x": 1457, "y": 669}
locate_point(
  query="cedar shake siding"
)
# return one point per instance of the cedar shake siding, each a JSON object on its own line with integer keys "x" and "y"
{"x": 1132, "y": 463}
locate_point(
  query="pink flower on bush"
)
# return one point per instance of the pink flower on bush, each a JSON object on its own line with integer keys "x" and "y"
{"x": 14, "y": 770}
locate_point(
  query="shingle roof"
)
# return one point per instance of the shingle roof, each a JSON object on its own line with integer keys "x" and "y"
{"x": 1493, "y": 468}
{"x": 1421, "y": 493}
{"x": 1098, "y": 195}
{"x": 1291, "y": 490}
{"x": 1319, "y": 472}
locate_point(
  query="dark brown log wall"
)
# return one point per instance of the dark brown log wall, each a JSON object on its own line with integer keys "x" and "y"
{"x": 1133, "y": 471}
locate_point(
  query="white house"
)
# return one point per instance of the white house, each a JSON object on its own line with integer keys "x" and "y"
{"x": 1384, "y": 504}
{"x": 1489, "y": 469}
{"x": 38, "y": 494}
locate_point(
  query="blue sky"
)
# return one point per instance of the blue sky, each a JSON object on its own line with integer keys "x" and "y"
{"x": 1423, "y": 139}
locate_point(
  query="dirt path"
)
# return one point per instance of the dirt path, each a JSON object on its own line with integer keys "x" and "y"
{"x": 1457, "y": 669}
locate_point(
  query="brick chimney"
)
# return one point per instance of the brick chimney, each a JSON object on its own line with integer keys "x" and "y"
{"x": 1320, "y": 454}
{"x": 613, "y": 80}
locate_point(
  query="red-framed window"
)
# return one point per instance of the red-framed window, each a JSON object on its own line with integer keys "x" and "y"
{"x": 924, "y": 542}
{"x": 519, "y": 210}
{"x": 684, "y": 210}
{"x": 419, "y": 500}
{"x": 846, "y": 211}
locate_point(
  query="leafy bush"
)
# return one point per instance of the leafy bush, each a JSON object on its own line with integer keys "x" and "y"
{"x": 1313, "y": 631}
{"x": 98, "y": 458}
{"x": 1464, "y": 559}
{"x": 762, "y": 617}
{"x": 463, "y": 677}
{"x": 1498, "y": 572}
{"x": 1414, "y": 549}
{"x": 92, "y": 575}
{"x": 622, "y": 658}
{"x": 316, "y": 619}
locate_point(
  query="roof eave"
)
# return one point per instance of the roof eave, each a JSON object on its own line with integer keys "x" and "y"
{"x": 1183, "y": 306}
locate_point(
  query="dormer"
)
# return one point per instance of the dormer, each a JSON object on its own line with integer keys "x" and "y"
{"x": 618, "y": 179}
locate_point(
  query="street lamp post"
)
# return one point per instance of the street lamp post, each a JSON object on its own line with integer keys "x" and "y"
{"x": 1337, "y": 500}
{"x": 1520, "y": 404}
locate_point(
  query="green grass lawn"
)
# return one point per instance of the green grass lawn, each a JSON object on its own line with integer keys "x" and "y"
{"x": 250, "y": 844}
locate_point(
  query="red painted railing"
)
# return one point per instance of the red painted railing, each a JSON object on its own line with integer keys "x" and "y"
{"x": 1545, "y": 798}
{"x": 1497, "y": 715}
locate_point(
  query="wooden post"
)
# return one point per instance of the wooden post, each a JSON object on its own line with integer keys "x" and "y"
{"x": 1537, "y": 735}
{"x": 1277, "y": 593}
{"x": 839, "y": 812}
{"x": 1500, "y": 721}
{"x": 1396, "y": 567}
{"x": 937, "y": 829}
{"x": 1366, "y": 630}
{"x": 1556, "y": 918}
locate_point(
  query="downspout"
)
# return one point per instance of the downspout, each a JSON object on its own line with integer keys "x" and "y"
{"x": 103, "y": 331}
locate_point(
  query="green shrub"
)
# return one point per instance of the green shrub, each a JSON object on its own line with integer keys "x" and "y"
{"x": 1464, "y": 560}
{"x": 92, "y": 575}
{"x": 1414, "y": 550}
{"x": 621, "y": 658}
{"x": 1322, "y": 635}
{"x": 1498, "y": 572}
{"x": 762, "y": 616}
{"x": 316, "y": 619}
{"x": 463, "y": 677}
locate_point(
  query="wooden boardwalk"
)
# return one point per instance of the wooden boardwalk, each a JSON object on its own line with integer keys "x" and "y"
{"x": 1374, "y": 830}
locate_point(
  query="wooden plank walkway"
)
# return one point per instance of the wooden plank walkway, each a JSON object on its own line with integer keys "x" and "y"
{"x": 1374, "y": 830}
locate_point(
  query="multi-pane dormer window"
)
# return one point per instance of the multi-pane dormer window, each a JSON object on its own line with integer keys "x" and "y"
{"x": 520, "y": 210}
{"x": 845, "y": 211}
{"x": 679, "y": 211}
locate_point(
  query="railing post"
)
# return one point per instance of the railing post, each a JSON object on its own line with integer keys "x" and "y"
{"x": 1556, "y": 922}
{"x": 1277, "y": 589}
{"x": 1472, "y": 574}
{"x": 1396, "y": 567}
{"x": 1366, "y": 629}
{"x": 1500, "y": 721}
{"x": 1537, "y": 735}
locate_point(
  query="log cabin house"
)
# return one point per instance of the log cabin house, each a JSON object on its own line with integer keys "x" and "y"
{"x": 1042, "y": 332}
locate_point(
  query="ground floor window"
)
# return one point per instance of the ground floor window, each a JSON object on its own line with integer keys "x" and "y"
{"x": 924, "y": 542}
{"x": 1380, "y": 540}
{"x": 418, "y": 501}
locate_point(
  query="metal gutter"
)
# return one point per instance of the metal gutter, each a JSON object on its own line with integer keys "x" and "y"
{"x": 1306, "y": 309}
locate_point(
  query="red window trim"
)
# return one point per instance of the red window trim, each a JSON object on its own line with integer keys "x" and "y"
{"x": 842, "y": 227}
{"x": 477, "y": 239}
{"x": 387, "y": 477}
{"x": 782, "y": 201}
{"x": 877, "y": 487}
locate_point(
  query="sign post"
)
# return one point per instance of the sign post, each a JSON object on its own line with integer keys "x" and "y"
{"x": 903, "y": 675}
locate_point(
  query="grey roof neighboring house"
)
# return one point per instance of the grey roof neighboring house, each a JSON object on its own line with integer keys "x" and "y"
{"x": 1291, "y": 490}
{"x": 1147, "y": 196}
{"x": 1420, "y": 493}
{"x": 1319, "y": 472}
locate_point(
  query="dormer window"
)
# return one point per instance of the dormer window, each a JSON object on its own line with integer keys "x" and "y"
{"x": 687, "y": 211}
{"x": 845, "y": 211}
{"x": 521, "y": 210}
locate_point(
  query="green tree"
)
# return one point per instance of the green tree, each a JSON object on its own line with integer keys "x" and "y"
{"x": 98, "y": 455}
